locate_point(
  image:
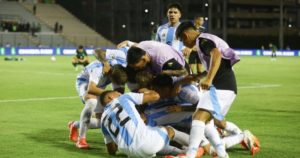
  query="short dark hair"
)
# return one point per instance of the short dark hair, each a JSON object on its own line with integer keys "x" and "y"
{"x": 162, "y": 81}
{"x": 118, "y": 74}
{"x": 144, "y": 79}
{"x": 102, "y": 96}
{"x": 134, "y": 55}
{"x": 182, "y": 27}
{"x": 80, "y": 47}
{"x": 175, "y": 5}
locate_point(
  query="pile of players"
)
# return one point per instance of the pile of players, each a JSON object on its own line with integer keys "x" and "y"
{"x": 168, "y": 111}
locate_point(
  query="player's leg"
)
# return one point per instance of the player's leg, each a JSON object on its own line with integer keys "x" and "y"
{"x": 200, "y": 117}
{"x": 85, "y": 117}
{"x": 214, "y": 138}
{"x": 74, "y": 61}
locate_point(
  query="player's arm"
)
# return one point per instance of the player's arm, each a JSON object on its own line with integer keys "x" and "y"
{"x": 149, "y": 95}
{"x": 93, "y": 89}
{"x": 208, "y": 47}
{"x": 126, "y": 43}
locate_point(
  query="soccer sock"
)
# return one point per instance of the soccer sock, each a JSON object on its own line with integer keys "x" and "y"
{"x": 74, "y": 64}
{"x": 230, "y": 141}
{"x": 85, "y": 116}
{"x": 171, "y": 150}
{"x": 181, "y": 137}
{"x": 77, "y": 124}
{"x": 196, "y": 136}
{"x": 214, "y": 138}
{"x": 94, "y": 123}
{"x": 232, "y": 128}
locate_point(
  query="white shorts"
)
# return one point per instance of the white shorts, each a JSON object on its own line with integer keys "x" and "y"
{"x": 218, "y": 102}
{"x": 152, "y": 141}
{"x": 81, "y": 86}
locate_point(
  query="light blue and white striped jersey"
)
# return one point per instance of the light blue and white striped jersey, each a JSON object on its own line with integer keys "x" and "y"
{"x": 158, "y": 115}
{"x": 117, "y": 56}
{"x": 166, "y": 34}
{"x": 121, "y": 122}
{"x": 94, "y": 71}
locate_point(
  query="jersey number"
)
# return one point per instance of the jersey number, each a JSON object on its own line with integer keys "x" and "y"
{"x": 122, "y": 121}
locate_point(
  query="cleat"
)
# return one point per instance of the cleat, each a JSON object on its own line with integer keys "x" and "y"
{"x": 255, "y": 150}
{"x": 251, "y": 142}
{"x": 73, "y": 133}
{"x": 81, "y": 144}
{"x": 200, "y": 152}
{"x": 243, "y": 144}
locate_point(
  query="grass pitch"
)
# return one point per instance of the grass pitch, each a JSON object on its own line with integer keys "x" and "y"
{"x": 38, "y": 98}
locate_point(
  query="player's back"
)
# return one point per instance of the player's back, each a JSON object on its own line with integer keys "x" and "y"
{"x": 123, "y": 123}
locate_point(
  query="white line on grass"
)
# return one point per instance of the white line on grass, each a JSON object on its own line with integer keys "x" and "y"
{"x": 260, "y": 86}
{"x": 38, "y": 99}
{"x": 73, "y": 97}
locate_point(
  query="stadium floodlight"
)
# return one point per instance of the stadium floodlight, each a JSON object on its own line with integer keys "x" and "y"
{"x": 146, "y": 10}
{"x": 123, "y": 26}
{"x": 152, "y": 23}
{"x": 206, "y": 4}
{"x": 206, "y": 18}
{"x": 290, "y": 25}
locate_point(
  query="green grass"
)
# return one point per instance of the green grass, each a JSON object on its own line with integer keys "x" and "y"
{"x": 39, "y": 128}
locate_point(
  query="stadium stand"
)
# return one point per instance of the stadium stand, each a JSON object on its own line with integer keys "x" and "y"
{"x": 73, "y": 29}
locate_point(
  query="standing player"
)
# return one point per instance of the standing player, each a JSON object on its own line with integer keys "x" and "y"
{"x": 273, "y": 53}
{"x": 81, "y": 58}
{"x": 124, "y": 129}
{"x": 90, "y": 83}
{"x": 219, "y": 86}
{"x": 194, "y": 60}
{"x": 166, "y": 33}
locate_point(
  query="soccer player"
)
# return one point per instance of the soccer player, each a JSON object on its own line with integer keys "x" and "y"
{"x": 81, "y": 58}
{"x": 219, "y": 86}
{"x": 91, "y": 82}
{"x": 273, "y": 53}
{"x": 158, "y": 57}
{"x": 124, "y": 129}
{"x": 166, "y": 32}
{"x": 194, "y": 60}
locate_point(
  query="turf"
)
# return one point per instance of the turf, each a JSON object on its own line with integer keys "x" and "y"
{"x": 268, "y": 103}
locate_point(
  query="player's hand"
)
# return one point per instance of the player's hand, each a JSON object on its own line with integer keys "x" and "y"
{"x": 123, "y": 44}
{"x": 106, "y": 67}
{"x": 174, "y": 108}
{"x": 186, "y": 51}
{"x": 205, "y": 84}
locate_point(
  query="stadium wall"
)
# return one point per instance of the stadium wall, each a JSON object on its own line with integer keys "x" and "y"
{"x": 57, "y": 51}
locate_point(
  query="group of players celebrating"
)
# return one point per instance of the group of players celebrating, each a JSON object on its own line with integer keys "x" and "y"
{"x": 169, "y": 110}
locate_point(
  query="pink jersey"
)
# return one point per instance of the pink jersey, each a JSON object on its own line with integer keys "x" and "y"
{"x": 160, "y": 53}
{"x": 227, "y": 52}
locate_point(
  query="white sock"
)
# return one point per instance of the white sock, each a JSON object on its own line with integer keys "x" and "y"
{"x": 171, "y": 150}
{"x": 232, "y": 128}
{"x": 214, "y": 138}
{"x": 181, "y": 137}
{"x": 230, "y": 141}
{"x": 94, "y": 123}
{"x": 85, "y": 116}
{"x": 196, "y": 136}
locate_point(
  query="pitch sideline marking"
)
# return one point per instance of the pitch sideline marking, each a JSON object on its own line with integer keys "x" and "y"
{"x": 38, "y": 99}
{"x": 73, "y": 97}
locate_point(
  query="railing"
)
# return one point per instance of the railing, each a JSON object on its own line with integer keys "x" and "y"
{"x": 49, "y": 39}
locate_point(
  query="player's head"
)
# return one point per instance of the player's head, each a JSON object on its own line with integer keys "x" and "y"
{"x": 100, "y": 54}
{"x": 137, "y": 58}
{"x": 163, "y": 85}
{"x": 198, "y": 21}
{"x": 80, "y": 48}
{"x": 144, "y": 79}
{"x": 186, "y": 32}
{"x": 174, "y": 13}
{"x": 108, "y": 96}
{"x": 118, "y": 75}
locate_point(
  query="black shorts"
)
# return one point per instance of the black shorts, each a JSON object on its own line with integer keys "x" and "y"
{"x": 194, "y": 58}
